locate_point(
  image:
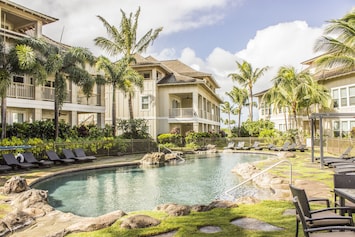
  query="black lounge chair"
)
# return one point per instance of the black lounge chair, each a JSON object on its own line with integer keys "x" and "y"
{"x": 31, "y": 159}
{"x": 324, "y": 231}
{"x": 69, "y": 154}
{"x": 4, "y": 168}
{"x": 344, "y": 181}
{"x": 345, "y": 156}
{"x": 11, "y": 160}
{"x": 302, "y": 148}
{"x": 79, "y": 152}
{"x": 282, "y": 148}
{"x": 321, "y": 217}
{"x": 52, "y": 156}
{"x": 256, "y": 146}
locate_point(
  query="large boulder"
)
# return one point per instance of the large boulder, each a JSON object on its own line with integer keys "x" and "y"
{"x": 139, "y": 221}
{"x": 154, "y": 158}
{"x": 174, "y": 209}
{"x": 15, "y": 184}
{"x": 33, "y": 202}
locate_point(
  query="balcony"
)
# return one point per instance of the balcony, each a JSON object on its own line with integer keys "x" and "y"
{"x": 49, "y": 92}
{"x": 181, "y": 113}
{"x": 21, "y": 91}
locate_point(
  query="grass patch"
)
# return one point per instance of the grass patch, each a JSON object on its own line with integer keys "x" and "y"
{"x": 267, "y": 211}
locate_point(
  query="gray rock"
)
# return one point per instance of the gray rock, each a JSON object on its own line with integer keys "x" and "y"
{"x": 174, "y": 209}
{"x": 139, "y": 221}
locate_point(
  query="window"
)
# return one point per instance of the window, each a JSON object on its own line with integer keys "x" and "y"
{"x": 343, "y": 97}
{"x": 17, "y": 118}
{"x": 145, "y": 102}
{"x": 146, "y": 75}
{"x": 335, "y": 95}
{"x": 18, "y": 79}
{"x": 352, "y": 95}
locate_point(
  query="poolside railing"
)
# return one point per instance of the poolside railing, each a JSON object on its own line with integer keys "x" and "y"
{"x": 227, "y": 194}
{"x": 177, "y": 154}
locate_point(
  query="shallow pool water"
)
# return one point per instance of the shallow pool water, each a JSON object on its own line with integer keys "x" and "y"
{"x": 199, "y": 180}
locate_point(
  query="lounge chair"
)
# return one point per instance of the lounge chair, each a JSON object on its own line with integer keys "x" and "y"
{"x": 30, "y": 158}
{"x": 320, "y": 217}
{"x": 239, "y": 146}
{"x": 69, "y": 154}
{"x": 324, "y": 231}
{"x": 301, "y": 148}
{"x": 229, "y": 146}
{"x": 282, "y": 148}
{"x": 11, "y": 160}
{"x": 52, "y": 156}
{"x": 248, "y": 147}
{"x": 332, "y": 159}
{"x": 4, "y": 168}
{"x": 256, "y": 146}
{"x": 79, "y": 152}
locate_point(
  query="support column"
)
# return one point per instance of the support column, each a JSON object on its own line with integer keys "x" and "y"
{"x": 73, "y": 118}
{"x": 37, "y": 114}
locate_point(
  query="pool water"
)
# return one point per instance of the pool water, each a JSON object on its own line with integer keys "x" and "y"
{"x": 198, "y": 180}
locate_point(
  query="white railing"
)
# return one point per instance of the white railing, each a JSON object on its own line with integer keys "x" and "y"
{"x": 230, "y": 196}
{"x": 21, "y": 90}
{"x": 181, "y": 113}
{"x": 172, "y": 152}
{"x": 49, "y": 92}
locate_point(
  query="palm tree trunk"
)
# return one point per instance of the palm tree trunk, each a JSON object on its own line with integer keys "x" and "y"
{"x": 130, "y": 107}
{"x": 239, "y": 117}
{"x": 3, "y": 117}
{"x": 56, "y": 116}
{"x": 114, "y": 122}
{"x": 251, "y": 104}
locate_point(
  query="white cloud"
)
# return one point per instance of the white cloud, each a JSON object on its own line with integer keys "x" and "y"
{"x": 81, "y": 25}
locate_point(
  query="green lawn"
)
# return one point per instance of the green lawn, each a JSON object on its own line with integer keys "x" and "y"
{"x": 267, "y": 211}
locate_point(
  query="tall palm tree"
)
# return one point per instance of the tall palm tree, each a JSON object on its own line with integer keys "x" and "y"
{"x": 132, "y": 79}
{"x": 247, "y": 77}
{"x": 239, "y": 97}
{"x": 123, "y": 42}
{"x": 296, "y": 91}
{"x": 114, "y": 76}
{"x": 19, "y": 59}
{"x": 63, "y": 63}
{"x": 338, "y": 43}
{"x": 227, "y": 108}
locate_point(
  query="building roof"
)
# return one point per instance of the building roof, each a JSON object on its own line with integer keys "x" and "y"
{"x": 44, "y": 18}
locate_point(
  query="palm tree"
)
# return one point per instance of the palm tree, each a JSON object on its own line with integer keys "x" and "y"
{"x": 20, "y": 59}
{"x": 247, "y": 77}
{"x": 123, "y": 42}
{"x": 339, "y": 51}
{"x": 132, "y": 79}
{"x": 296, "y": 91}
{"x": 114, "y": 73}
{"x": 227, "y": 108}
{"x": 239, "y": 97}
{"x": 63, "y": 63}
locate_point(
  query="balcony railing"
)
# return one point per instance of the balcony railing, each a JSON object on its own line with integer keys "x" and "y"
{"x": 189, "y": 113}
{"x": 181, "y": 113}
{"x": 48, "y": 94}
{"x": 21, "y": 91}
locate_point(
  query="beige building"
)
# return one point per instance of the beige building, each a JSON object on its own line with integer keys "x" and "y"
{"x": 341, "y": 85}
{"x": 26, "y": 101}
{"x": 175, "y": 96}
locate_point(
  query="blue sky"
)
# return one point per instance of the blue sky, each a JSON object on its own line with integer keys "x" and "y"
{"x": 208, "y": 35}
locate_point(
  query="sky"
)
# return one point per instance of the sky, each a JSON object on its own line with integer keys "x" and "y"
{"x": 208, "y": 35}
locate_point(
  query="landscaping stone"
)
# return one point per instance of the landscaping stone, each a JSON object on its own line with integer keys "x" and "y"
{"x": 15, "y": 184}
{"x": 210, "y": 229}
{"x": 173, "y": 209}
{"x": 139, "y": 221}
{"x": 254, "y": 224}
{"x": 154, "y": 158}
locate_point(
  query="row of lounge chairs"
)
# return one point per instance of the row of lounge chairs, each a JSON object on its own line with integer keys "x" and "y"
{"x": 343, "y": 164}
{"x": 256, "y": 146}
{"x": 27, "y": 160}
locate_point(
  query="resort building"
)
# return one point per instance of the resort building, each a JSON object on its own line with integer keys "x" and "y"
{"x": 341, "y": 85}
{"x": 26, "y": 101}
{"x": 175, "y": 97}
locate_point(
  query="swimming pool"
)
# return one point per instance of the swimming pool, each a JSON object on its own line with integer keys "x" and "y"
{"x": 96, "y": 192}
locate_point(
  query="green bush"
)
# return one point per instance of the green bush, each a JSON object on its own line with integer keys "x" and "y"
{"x": 167, "y": 138}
